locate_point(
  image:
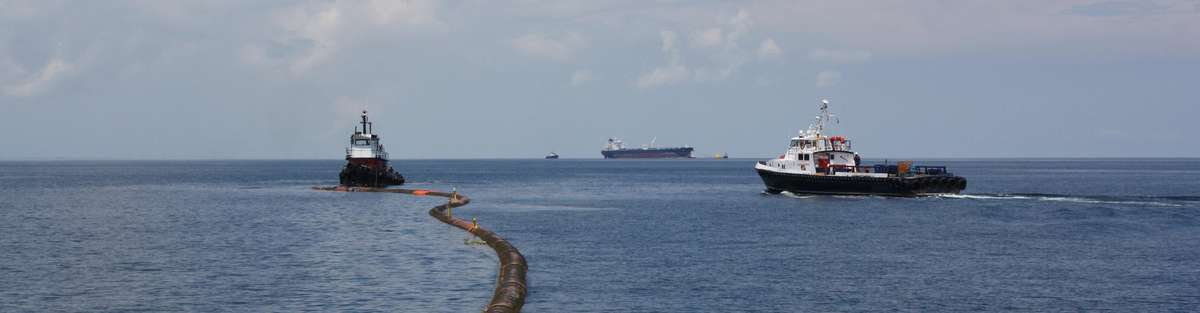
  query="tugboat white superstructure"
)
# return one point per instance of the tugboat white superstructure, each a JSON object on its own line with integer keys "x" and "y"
{"x": 819, "y": 164}
{"x": 367, "y": 161}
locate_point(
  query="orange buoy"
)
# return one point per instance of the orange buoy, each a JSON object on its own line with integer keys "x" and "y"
{"x": 420, "y": 192}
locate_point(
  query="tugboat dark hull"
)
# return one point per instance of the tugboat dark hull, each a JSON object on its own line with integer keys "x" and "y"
{"x": 360, "y": 175}
{"x": 860, "y": 185}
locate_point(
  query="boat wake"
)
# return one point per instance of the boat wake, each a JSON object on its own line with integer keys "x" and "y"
{"x": 1164, "y": 201}
{"x": 787, "y": 194}
{"x": 1158, "y": 201}
{"x": 794, "y": 196}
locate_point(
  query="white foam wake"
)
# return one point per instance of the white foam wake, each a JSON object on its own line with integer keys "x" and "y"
{"x": 789, "y": 194}
{"x": 1061, "y": 198}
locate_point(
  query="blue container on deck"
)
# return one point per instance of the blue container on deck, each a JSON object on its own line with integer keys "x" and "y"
{"x": 880, "y": 168}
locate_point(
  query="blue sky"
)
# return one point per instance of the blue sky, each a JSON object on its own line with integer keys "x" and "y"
{"x": 515, "y": 79}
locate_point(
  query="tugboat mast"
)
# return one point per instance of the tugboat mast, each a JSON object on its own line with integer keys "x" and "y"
{"x": 819, "y": 125}
{"x": 366, "y": 130}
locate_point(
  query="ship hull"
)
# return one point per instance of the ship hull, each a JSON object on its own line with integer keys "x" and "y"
{"x": 777, "y": 182}
{"x": 655, "y": 153}
{"x": 372, "y": 172}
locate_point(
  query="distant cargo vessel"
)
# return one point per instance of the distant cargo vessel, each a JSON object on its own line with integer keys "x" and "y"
{"x": 367, "y": 161}
{"x": 819, "y": 164}
{"x": 615, "y": 149}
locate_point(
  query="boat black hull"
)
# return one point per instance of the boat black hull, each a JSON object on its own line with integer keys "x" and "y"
{"x": 851, "y": 185}
{"x": 357, "y": 175}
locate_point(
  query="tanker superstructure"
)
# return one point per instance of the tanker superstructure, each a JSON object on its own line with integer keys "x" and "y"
{"x": 367, "y": 161}
{"x": 615, "y": 149}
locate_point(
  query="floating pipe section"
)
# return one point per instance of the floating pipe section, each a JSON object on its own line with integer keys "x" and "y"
{"x": 511, "y": 286}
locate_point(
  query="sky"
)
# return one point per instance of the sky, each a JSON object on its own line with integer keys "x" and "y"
{"x": 518, "y": 79}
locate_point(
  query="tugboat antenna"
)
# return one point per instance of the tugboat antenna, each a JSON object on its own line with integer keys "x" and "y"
{"x": 819, "y": 126}
{"x": 364, "y": 122}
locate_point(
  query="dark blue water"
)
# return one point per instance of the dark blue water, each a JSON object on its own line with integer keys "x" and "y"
{"x": 600, "y": 236}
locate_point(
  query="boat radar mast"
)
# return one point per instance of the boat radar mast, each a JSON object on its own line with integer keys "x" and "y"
{"x": 366, "y": 126}
{"x": 819, "y": 125}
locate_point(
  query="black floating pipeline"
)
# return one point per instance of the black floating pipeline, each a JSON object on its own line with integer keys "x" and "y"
{"x": 511, "y": 286}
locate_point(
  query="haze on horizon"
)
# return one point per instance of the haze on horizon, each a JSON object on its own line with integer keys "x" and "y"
{"x": 518, "y": 79}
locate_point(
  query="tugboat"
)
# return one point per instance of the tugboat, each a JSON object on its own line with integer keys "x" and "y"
{"x": 615, "y": 149}
{"x": 367, "y": 161}
{"x": 552, "y": 156}
{"x": 819, "y": 164}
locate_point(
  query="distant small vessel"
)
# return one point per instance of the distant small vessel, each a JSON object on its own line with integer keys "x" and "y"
{"x": 367, "y": 161}
{"x": 721, "y": 156}
{"x": 819, "y": 164}
{"x": 615, "y": 149}
{"x": 552, "y": 156}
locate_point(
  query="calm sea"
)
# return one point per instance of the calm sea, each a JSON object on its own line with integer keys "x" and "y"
{"x": 1119, "y": 235}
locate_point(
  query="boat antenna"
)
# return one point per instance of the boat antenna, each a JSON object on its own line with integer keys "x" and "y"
{"x": 819, "y": 125}
{"x": 364, "y": 122}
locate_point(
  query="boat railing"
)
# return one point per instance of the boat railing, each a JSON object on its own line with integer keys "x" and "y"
{"x": 377, "y": 153}
{"x": 864, "y": 169}
{"x": 931, "y": 170}
{"x": 893, "y": 169}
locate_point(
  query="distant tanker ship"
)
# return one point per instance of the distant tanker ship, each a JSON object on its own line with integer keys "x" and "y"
{"x": 615, "y": 149}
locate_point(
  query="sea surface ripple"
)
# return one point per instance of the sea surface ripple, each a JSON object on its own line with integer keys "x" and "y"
{"x": 600, "y": 236}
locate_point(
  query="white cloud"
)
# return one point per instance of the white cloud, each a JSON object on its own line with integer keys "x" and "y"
{"x": 674, "y": 71}
{"x": 768, "y": 49}
{"x": 53, "y": 71}
{"x": 321, "y": 27}
{"x": 839, "y": 56}
{"x": 720, "y": 48}
{"x": 929, "y": 28}
{"x": 10, "y": 71}
{"x": 738, "y": 25}
{"x": 828, "y": 78}
{"x": 18, "y": 9}
{"x": 560, "y": 49}
{"x": 580, "y": 77}
{"x": 402, "y": 13}
{"x": 708, "y": 37}
{"x": 326, "y": 28}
